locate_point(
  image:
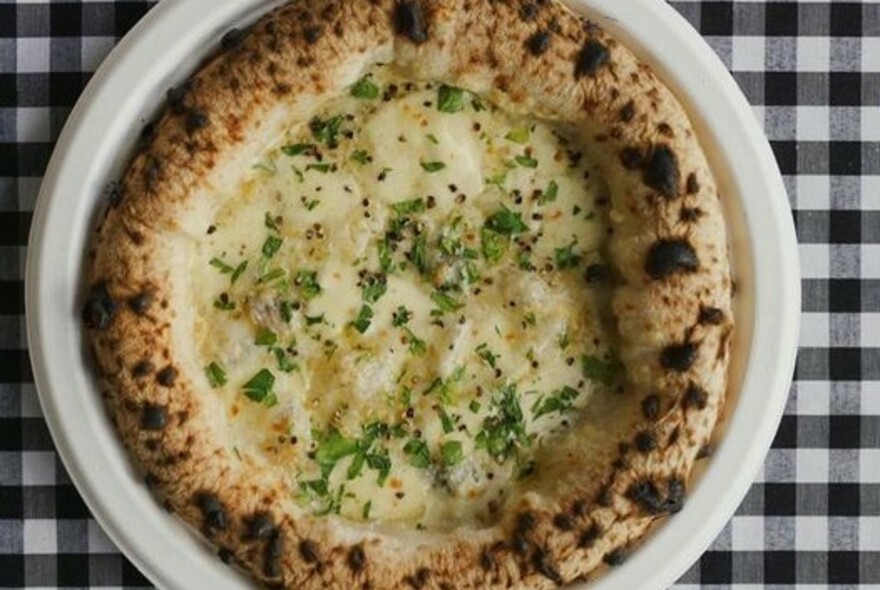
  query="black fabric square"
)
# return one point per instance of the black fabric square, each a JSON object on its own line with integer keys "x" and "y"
{"x": 786, "y": 156}
{"x": 11, "y": 298}
{"x": 780, "y": 499}
{"x": 132, "y": 577}
{"x": 10, "y": 434}
{"x": 12, "y": 568}
{"x": 128, "y": 14}
{"x": 8, "y": 20}
{"x": 8, "y": 91}
{"x": 779, "y": 567}
{"x": 10, "y": 504}
{"x": 844, "y": 432}
{"x": 844, "y": 295}
{"x": 844, "y": 499}
{"x": 845, "y": 226}
{"x": 781, "y": 19}
{"x": 786, "y": 436}
{"x": 846, "y": 19}
{"x": 716, "y": 567}
{"x": 65, "y": 88}
{"x": 15, "y": 367}
{"x": 35, "y": 435}
{"x": 65, "y": 19}
{"x": 845, "y": 158}
{"x": 845, "y": 364}
{"x": 845, "y": 89}
{"x": 716, "y": 18}
{"x": 69, "y": 504}
{"x": 843, "y": 567}
{"x": 14, "y": 227}
{"x": 73, "y": 570}
{"x": 780, "y": 89}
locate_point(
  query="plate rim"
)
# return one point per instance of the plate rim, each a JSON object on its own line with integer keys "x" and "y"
{"x": 172, "y": 27}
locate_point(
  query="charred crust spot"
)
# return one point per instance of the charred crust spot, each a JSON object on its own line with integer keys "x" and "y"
{"x": 142, "y": 368}
{"x": 589, "y": 536}
{"x": 231, "y": 38}
{"x": 167, "y": 376}
{"x": 679, "y": 357}
{"x": 152, "y": 170}
{"x": 627, "y": 112}
{"x": 544, "y": 565}
{"x": 308, "y": 549}
{"x": 596, "y": 273}
{"x": 673, "y": 436}
{"x": 195, "y": 119}
{"x": 579, "y": 508}
{"x": 312, "y": 34}
{"x": 661, "y": 171}
{"x": 695, "y": 397}
{"x": 260, "y": 526}
{"x": 651, "y": 406}
{"x": 563, "y": 522}
{"x": 690, "y": 214}
{"x": 213, "y": 511}
{"x": 648, "y": 495}
{"x": 140, "y": 303}
{"x": 539, "y": 43}
{"x": 99, "y": 309}
{"x": 667, "y": 257}
{"x": 525, "y": 522}
{"x": 176, "y": 96}
{"x": 528, "y": 11}
{"x": 711, "y": 316}
{"x": 693, "y": 185}
{"x": 645, "y": 441}
{"x": 419, "y": 579}
{"x": 487, "y": 562}
{"x": 225, "y": 555}
{"x": 153, "y": 417}
{"x": 590, "y": 58}
{"x": 665, "y": 130}
{"x": 631, "y": 158}
{"x": 615, "y": 557}
{"x": 113, "y": 193}
{"x": 410, "y": 22}
{"x": 704, "y": 452}
{"x": 357, "y": 559}
{"x": 272, "y": 558}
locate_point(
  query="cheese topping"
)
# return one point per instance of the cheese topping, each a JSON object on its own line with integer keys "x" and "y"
{"x": 406, "y": 300}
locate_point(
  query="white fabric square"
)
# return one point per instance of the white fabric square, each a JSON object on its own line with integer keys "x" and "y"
{"x": 870, "y": 190}
{"x": 40, "y": 536}
{"x": 870, "y": 398}
{"x": 811, "y": 533}
{"x": 32, "y": 55}
{"x": 813, "y": 54}
{"x": 813, "y": 123}
{"x": 813, "y": 192}
{"x": 747, "y": 533}
{"x": 30, "y": 402}
{"x": 871, "y": 54}
{"x": 748, "y": 54}
{"x": 38, "y": 468}
{"x": 869, "y": 466}
{"x": 812, "y": 465}
{"x": 869, "y": 533}
{"x": 870, "y": 123}
{"x": 94, "y": 50}
{"x": 815, "y": 263}
{"x": 870, "y": 331}
{"x": 813, "y": 398}
{"x": 870, "y": 261}
{"x": 33, "y": 124}
{"x": 814, "y": 329}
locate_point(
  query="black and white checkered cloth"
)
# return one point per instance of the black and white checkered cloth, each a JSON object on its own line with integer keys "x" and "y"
{"x": 811, "y": 70}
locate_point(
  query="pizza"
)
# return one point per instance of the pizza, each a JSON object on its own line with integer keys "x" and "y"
{"x": 416, "y": 294}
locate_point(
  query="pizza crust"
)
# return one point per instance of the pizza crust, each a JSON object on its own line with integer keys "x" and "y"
{"x": 672, "y": 298}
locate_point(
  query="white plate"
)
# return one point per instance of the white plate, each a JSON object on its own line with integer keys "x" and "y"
{"x": 164, "y": 48}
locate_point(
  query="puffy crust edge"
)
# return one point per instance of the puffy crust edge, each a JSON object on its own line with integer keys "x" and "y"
{"x": 668, "y": 248}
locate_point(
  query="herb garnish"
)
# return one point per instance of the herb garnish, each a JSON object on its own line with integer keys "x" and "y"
{"x": 216, "y": 375}
{"x": 265, "y": 337}
{"x": 365, "y": 88}
{"x": 487, "y": 355}
{"x": 364, "y": 319}
{"x": 431, "y": 167}
{"x": 519, "y": 135}
{"x": 271, "y": 246}
{"x": 307, "y": 281}
{"x": 506, "y": 222}
{"x": 549, "y": 194}
{"x": 567, "y": 258}
{"x": 326, "y": 131}
{"x": 451, "y": 453}
{"x": 362, "y": 157}
{"x": 504, "y": 430}
{"x": 259, "y": 388}
{"x": 450, "y": 99}
{"x": 409, "y": 207}
{"x": 561, "y": 400}
{"x": 299, "y": 149}
{"x": 446, "y": 302}
{"x": 604, "y": 371}
{"x": 418, "y": 453}
{"x": 526, "y": 161}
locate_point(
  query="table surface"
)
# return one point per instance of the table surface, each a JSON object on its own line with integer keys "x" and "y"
{"x": 811, "y": 70}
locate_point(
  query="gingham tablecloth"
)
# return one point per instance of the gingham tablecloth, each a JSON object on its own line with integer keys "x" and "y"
{"x": 810, "y": 69}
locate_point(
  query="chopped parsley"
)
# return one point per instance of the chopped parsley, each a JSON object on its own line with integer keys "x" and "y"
{"x": 526, "y": 161}
{"x": 417, "y": 346}
{"x": 564, "y": 340}
{"x": 419, "y": 254}
{"x": 259, "y": 388}
{"x": 326, "y": 131}
{"x": 560, "y": 401}
{"x": 314, "y": 320}
{"x": 487, "y": 355}
{"x": 322, "y": 168}
{"x": 271, "y": 246}
{"x": 450, "y": 99}
{"x": 446, "y": 421}
{"x": 365, "y": 512}
{"x": 216, "y": 375}
{"x": 365, "y": 88}
{"x": 549, "y": 194}
{"x": 418, "y": 453}
{"x": 386, "y": 261}
{"x": 375, "y": 286}
{"x": 401, "y": 317}
{"x": 445, "y": 302}
{"x": 299, "y": 149}
{"x": 506, "y": 222}
{"x": 519, "y": 135}
{"x": 493, "y": 245}
{"x": 433, "y": 139}
{"x": 222, "y": 266}
{"x": 332, "y": 447}
{"x": 504, "y": 430}
{"x": 451, "y": 453}
{"x": 364, "y": 319}
{"x": 362, "y": 157}
{"x": 604, "y": 371}
{"x": 409, "y": 207}
{"x": 567, "y": 258}
{"x": 307, "y": 281}
{"x": 310, "y": 204}
{"x": 265, "y": 337}
{"x": 224, "y": 303}
{"x": 285, "y": 364}
{"x": 432, "y": 167}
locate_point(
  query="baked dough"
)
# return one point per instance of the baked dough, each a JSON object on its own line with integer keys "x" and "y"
{"x": 597, "y": 483}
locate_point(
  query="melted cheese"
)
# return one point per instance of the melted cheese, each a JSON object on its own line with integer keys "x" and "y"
{"x": 413, "y": 281}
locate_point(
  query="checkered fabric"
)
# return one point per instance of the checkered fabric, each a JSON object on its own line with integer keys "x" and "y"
{"x": 811, "y": 69}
